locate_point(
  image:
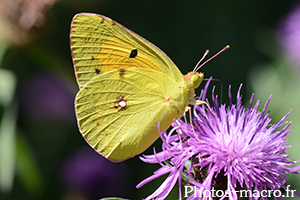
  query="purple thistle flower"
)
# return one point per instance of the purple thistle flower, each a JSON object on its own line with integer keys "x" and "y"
{"x": 231, "y": 148}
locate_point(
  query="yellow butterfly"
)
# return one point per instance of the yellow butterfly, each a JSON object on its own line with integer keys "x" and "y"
{"x": 127, "y": 87}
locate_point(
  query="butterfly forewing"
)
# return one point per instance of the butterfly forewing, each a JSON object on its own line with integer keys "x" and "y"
{"x": 100, "y": 44}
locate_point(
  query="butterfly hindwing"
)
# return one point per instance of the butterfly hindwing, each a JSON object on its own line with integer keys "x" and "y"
{"x": 118, "y": 112}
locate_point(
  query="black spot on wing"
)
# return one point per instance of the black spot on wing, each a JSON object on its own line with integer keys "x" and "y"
{"x": 97, "y": 71}
{"x": 133, "y": 53}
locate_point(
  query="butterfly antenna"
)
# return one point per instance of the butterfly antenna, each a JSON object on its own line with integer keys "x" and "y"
{"x": 204, "y": 55}
{"x": 206, "y": 52}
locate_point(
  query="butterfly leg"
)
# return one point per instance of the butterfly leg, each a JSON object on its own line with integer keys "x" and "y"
{"x": 189, "y": 110}
{"x": 179, "y": 131}
{"x": 198, "y": 102}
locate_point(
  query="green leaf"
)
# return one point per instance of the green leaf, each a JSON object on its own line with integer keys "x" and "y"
{"x": 27, "y": 168}
{"x": 7, "y": 147}
{"x": 7, "y": 86}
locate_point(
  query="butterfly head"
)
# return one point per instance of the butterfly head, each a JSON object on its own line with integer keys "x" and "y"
{"x": 194, "y": 78}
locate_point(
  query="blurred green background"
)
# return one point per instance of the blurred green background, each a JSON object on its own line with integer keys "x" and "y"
{"x": 42, "y": 153}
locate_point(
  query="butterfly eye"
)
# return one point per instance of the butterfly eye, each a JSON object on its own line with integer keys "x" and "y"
{"x": 196, "y": 79}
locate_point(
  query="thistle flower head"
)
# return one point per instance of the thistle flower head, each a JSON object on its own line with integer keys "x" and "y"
{"x": 228, "y": 148}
